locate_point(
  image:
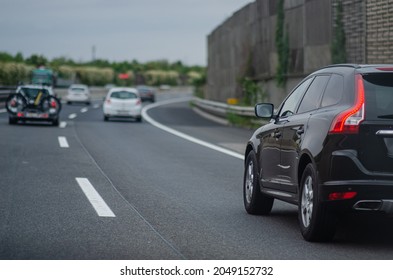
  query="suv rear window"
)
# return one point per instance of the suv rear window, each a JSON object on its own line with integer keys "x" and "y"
{"x": 379, "y": 96}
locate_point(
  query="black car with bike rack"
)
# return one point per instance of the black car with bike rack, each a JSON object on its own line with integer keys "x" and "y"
{"x": 33, "y": 103}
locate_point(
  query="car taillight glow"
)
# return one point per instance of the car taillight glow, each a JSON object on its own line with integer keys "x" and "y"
{"x": 342, "y": 195}
{"x": 138, "y": 102}
{"x": 108, "y": 101}
{"x": 349, "y": 120}
{"x": 53, "y": 104}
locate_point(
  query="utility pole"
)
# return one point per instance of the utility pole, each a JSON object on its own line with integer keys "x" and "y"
{"x": 93, "y": 51}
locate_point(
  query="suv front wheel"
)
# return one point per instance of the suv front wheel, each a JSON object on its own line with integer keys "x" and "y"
{"x": 317, "y": 222}
{"x": 255, "y": 201}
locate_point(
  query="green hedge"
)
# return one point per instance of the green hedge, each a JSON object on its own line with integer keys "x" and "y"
{"x": 12, "y": 73}
{"x": 94, "y": 76}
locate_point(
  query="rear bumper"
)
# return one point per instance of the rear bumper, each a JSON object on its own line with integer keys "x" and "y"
{"x": 111, "y": 112}
{"x": 345, "y": 165}
{"x": 374, "y": 190}
{"x": 79, "y": 98}
{"x": 371, "y": 195}
{"x": 147, "y": 97}
{"x": 36, "y": 116}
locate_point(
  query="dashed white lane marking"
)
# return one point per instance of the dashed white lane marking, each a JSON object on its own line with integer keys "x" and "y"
{"x": 84, "y": 110}
{"x": 147, "y": 118}
{"x": 72, "y": 116}
{"x": 63, "y": 142}
{"x": 63, "y": 124}
{"x": 96, "y": 106}
{"x": 3, "y": 110}
{"x": 95, "y": 198}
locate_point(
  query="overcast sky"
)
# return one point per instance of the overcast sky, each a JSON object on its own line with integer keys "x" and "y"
{"x": 118, "y": 29}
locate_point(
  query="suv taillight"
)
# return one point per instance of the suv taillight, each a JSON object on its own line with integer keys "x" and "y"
{"x": 349, "y": 120}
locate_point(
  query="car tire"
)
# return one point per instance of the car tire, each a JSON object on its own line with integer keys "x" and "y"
{"x": 317, "y": 222}
{"x": 106, "y": 118}
{"x": 255, "y": 202}
{"x": 55, "y": 122}
{"x": 12, "y": 120}
{"x": 139, "y": 119}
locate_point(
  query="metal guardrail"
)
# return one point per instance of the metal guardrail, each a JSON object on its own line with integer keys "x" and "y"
{"x": 4, "y": 92}
{"x": 222, "y": 109}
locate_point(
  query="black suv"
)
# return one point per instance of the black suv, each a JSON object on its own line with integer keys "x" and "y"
{"x": 328, "y": 149}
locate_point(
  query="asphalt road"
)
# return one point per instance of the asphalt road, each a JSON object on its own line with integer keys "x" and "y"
{"x": 128, "y": 190}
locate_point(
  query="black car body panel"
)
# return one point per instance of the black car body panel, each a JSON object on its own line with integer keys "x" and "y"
{"x": 339, "y": 122}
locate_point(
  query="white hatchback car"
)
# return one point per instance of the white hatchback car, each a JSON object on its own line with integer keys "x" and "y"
{"x": 78, "y": 93}
{"x": 123, "y": 102}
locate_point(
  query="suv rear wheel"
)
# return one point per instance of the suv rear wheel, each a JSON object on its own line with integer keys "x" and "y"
{"x": 317, "y": 222}
{"x": 255, "y": 202}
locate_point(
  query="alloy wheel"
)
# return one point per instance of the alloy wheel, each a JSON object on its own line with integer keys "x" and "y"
{"x": 307, "y": 201}
{"x": 249, "y": 183}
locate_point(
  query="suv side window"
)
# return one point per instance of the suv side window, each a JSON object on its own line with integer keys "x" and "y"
{"x": 290, "y": 104}
{"x": 334, "y": 91}
{"x": 312, "y": 98}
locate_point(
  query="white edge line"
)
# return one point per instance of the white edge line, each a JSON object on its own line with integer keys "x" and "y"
{"x": 95, "y": 198}
{"x": 210, "y": 117}
{"x": 63, "y": 142}
{"x": 147, "y": 118}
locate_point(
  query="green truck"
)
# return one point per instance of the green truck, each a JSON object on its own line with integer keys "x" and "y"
{"x": 43, "y": 76}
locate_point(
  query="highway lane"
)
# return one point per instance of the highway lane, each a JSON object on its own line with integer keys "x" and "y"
{"x": 44, "y": 213}
{"x": 170, "y": 198}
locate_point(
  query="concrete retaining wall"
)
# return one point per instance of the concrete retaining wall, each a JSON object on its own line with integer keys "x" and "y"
{"x": 245, "y": 43}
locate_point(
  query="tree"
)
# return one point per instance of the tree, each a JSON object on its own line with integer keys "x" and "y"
{"x": 338, "y": 42}
{"x": 37, "y": 60}
{"x": 6, "y": 57}
{"x": 282, "y": 45}
{"x": 19, "y": 57}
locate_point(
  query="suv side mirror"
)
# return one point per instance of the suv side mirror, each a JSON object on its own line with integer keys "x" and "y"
{"x": 264, "y": 110}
